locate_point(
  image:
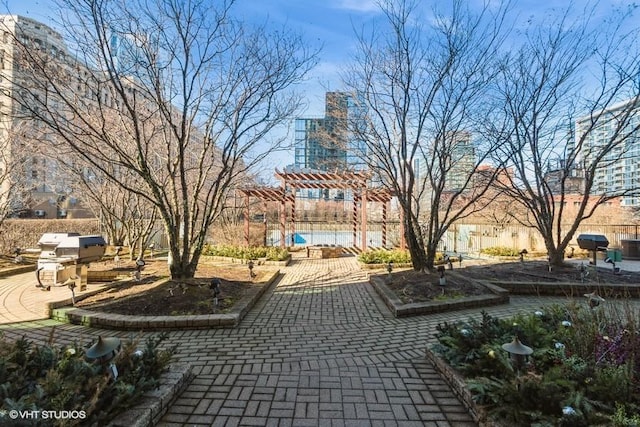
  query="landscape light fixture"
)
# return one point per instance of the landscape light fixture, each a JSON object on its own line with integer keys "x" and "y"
{"x": 104, "y": 349}
{"x": 18, "y": 259}
{"x": 250, "y": 264}
{"x": 583, "y": 272}
{"x": 608, "y": 260}
{"x": 593, "y": 299}
{"x": 442, "y": 281}
{"x": 389, "y": 267}
{"x": 518, "y": 352}
{"x": 447, "y": 259}
{"x": 71, "y": 284}
{"x": 522, "y": 254}
{"x": 214, "y": 286}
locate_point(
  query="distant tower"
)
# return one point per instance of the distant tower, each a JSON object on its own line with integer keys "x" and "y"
{"x": 326, "y": 144}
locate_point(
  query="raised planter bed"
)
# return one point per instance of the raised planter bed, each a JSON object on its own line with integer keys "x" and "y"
{"x": 495, "y": 296}
{"x": 99, "y": 319}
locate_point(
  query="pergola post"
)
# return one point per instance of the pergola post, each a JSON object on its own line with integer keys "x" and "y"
{"x": 283, "y": 220}
{"x": 355, "y": 220}
{"x": 403, "y": 242}
{"x": 363, "y": 222}
{"x": 384, "y": 224}
{"x": 293, "y": 217}
{"x": 246, "y": 220}
{"x": 264, "y": 220}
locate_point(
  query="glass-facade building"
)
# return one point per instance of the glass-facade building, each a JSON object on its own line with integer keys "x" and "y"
{"x": 619, "y": 169}
{"x": 327, "y": 144}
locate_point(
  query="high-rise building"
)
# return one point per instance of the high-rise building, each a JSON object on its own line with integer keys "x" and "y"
{"x": 461, "y": 161}
{"x": 41, "y": 181}
{"x": 326, "y": 144}
{"x": 619, "y": 169}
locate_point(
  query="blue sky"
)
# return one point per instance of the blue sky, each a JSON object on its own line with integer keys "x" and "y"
{"x": 326, "y": 23}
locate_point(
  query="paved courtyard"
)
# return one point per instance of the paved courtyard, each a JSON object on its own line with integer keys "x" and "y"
{"x": 320, "y": 348}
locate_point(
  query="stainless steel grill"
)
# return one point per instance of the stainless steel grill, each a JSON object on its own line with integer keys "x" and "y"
{"x": 65, "y": 256}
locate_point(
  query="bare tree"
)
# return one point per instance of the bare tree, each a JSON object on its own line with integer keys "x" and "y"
{"x": 177, "y": 93}
{"x": 127, "y": 218}
{"x": 568, "y": 106}
{"x": 422, "y": 88}
{"x": 14, "y": 185}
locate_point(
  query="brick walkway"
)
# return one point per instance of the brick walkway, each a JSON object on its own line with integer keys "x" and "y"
{"x": 319, "y": 349}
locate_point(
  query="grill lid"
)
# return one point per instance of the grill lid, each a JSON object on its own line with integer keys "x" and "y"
{"x": 49, "y": 241}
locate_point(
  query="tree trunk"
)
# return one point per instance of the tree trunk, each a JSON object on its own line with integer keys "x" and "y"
{"x": 181, "y": 268}
{"x": 555, "y": 253}
{"x": 414, "y": 244}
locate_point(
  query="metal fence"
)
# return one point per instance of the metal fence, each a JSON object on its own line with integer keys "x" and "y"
{"x": 333, "y": 233}
{"x": 475, "y": 237}
{"x": 463, "y": 238}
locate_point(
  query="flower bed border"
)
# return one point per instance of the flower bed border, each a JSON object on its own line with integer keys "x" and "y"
{"x": 259, "y": 261}
{"x": 17, "y": 270}
{"x": 99, "y": 319}
{"x": 497, "y": 296}
{"x": 155, "y": 403}
{"x": 460, "y": 389}
{"x": 570, "y": 289}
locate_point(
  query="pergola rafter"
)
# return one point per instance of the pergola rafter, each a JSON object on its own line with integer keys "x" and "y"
{"x": 291, "y": 182}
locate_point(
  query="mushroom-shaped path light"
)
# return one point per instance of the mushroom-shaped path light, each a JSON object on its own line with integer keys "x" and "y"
{"x": 104, "y": 349}
{"x": 518, "y": 352}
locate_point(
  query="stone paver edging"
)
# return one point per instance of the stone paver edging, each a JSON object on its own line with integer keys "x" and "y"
{"x": 399, "y": 309}
{"x": 259, "y": 261}
{"x": 155, "y": 403}
{"x": 17, "y": 270}
{"x": 459, "y": 387}
{"x": 569, "y": 289}
{"x": 98, "y": 319}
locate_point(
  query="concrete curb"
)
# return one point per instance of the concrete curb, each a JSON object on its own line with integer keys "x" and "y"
{"x": 98, "y": 319}
{"x": 18, "y": 270}
{"x": 155, "y": 403}
{"x": 399, "y": 309}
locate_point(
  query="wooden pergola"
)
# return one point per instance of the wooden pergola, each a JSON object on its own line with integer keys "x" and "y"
{"x": 291, "y": 182}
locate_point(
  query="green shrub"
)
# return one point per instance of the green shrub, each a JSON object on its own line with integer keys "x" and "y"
{"x": 47, "y": 378}
{"x": 621, "y": 419}
{"x": 585, "y": 363}
{"x": 500, "y": 251}
{"x": 270, "y": 253}
{"x": 382, "y": 256}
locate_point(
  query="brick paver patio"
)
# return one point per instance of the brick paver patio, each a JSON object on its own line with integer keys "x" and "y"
{"x": 320, "y": 348}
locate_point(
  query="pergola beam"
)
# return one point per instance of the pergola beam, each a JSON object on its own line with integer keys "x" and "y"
{"x": 291, "y": 182}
